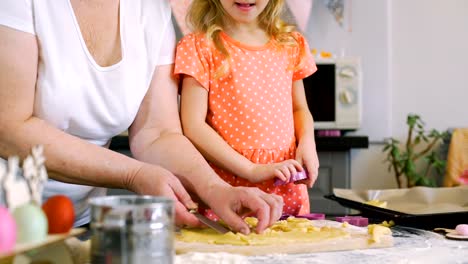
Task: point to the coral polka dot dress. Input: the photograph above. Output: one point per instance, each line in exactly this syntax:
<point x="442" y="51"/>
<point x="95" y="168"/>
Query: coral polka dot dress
<point x="251" y="106"/>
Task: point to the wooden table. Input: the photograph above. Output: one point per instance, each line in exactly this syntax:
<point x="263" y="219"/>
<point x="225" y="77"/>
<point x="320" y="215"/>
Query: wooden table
<point x="411" y="246"/>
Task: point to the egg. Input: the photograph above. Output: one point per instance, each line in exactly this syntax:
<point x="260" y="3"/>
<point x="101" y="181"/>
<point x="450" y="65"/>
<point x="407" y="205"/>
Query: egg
<point x="31" y="223"/>
<point x="7" y="231"/>
<point x="60" y="214"/>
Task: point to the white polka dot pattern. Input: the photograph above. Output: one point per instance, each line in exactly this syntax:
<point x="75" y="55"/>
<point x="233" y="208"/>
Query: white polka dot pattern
<point x="251" y="106"/>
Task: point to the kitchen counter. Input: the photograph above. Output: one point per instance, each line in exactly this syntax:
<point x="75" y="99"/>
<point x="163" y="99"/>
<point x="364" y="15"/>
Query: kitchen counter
<point x="411" y="246"/>
<point x="323" y="143"/>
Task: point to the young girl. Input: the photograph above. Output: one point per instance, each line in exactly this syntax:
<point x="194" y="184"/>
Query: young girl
<point x="242" y="101"/>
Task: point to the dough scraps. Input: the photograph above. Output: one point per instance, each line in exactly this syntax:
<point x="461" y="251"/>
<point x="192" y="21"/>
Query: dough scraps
<point x="377" y="203"/>
<point x="286" y="233"/>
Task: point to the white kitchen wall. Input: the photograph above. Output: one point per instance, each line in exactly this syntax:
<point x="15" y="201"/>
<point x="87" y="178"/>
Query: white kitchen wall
<point x="415" y="56"/>
<point x="430" y="65"/>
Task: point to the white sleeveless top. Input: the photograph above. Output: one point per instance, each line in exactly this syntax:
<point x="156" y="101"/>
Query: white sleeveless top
<point x="74" y="93"/>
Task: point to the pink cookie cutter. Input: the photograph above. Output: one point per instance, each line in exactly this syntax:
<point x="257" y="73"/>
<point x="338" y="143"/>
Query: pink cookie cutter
<point x="312" y="216"/>
<point x="301" y="175"/>
<point x="353" y="220"/>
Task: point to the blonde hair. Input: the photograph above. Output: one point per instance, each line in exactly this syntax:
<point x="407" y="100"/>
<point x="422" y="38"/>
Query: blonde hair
<point x="210" y="18"/>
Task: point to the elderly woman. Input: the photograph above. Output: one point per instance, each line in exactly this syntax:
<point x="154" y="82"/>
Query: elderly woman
<point x="75" y="73"/>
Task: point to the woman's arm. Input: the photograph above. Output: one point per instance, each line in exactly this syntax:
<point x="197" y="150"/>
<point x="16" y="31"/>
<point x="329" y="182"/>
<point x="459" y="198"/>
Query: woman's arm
<point x="194" y="106"/>
<point x="156" y="137"/>
<point x="306" y="152"/>
<point x="73" y="159"/>
<point x="68" y="158"/>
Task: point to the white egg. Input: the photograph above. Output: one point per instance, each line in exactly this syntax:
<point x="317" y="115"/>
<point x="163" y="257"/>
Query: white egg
<point x="31" y="223"/>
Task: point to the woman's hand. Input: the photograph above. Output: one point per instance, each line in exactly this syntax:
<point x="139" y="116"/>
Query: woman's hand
<point x="232" y="203"/>
<point x="306" y="154"/>
<point x="281" y="170"/>
<point x="155" y="180"/>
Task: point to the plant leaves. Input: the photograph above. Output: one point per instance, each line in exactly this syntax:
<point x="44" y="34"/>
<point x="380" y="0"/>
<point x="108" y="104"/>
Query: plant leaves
<point x="401" y="157"/>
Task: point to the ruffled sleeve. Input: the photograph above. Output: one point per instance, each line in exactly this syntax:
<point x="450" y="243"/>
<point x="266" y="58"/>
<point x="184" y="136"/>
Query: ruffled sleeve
<point x="304" y="61"/>
<point x="17" y="14"/>
<point x="193" y="59"/>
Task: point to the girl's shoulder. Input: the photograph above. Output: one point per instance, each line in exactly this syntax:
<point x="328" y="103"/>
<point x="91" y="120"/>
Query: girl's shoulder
<point x="195" y="39"/>
<point x="197" y="44"/>
<point x="298" y="37"/>
<point x="294" y="41"/>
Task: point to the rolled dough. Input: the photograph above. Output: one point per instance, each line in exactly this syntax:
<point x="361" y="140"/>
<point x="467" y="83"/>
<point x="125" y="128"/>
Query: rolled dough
<point x="294" y="235"/>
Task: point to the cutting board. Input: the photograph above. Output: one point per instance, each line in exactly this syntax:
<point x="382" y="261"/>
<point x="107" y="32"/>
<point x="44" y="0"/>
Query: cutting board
<point x="358" y="239"/>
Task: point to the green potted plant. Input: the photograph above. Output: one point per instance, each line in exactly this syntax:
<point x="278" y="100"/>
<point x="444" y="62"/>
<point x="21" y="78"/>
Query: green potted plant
<point x="403" y="159"/>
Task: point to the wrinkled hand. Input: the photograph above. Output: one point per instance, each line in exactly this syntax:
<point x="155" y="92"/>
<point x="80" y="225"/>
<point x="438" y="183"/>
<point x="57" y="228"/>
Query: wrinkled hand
<point x="155" y="180"/>
<point x="232" y="203"/>
<point x="306" y="154"/>
<point x="281" y="170"/>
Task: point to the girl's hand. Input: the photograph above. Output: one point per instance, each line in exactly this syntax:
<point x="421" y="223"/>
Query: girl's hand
<point x="306" y="154"/>
<point x="281" y="170"/>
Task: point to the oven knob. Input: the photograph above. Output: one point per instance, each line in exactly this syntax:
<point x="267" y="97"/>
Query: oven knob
<point x="347" y="72"/>
<point x="346" y="97"/>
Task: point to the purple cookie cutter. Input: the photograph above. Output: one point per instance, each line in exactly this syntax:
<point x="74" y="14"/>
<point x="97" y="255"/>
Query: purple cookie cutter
<point x="285" y="216"/>
<point x="301" y="175"/>
<point x="311" y="216"/>
<point x="353" y="220"/>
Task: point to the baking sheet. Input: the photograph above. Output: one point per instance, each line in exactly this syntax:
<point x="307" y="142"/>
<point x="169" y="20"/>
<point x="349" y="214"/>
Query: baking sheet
<point x="416" y="200"/>
<point x="420" y="207"/>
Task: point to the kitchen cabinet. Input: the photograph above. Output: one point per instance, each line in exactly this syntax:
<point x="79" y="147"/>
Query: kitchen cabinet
<point x="334" y="172"/>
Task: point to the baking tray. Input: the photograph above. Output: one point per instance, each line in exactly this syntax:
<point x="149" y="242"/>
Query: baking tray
<point x="422" y="221"/>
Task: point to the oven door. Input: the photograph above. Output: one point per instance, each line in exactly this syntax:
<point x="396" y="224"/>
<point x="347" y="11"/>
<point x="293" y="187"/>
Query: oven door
<point x="320" y="89"/>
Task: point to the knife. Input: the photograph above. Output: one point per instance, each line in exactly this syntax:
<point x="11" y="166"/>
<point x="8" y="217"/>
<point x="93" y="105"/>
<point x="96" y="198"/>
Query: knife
<point x="210" y="223"/>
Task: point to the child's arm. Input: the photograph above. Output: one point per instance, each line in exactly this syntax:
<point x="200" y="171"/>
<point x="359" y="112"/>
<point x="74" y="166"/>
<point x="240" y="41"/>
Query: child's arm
<point x="194" y="107"/>
<point x="306" y="153"/>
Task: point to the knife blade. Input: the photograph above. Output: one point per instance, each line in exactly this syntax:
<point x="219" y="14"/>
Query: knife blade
<point x="210" y="223"/>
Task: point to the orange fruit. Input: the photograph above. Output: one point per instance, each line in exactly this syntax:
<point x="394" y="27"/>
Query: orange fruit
<point x="60" y="214"/>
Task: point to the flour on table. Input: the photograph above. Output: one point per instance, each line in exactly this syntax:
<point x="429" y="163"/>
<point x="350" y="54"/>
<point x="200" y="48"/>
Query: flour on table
<point x="210" y="258"/>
